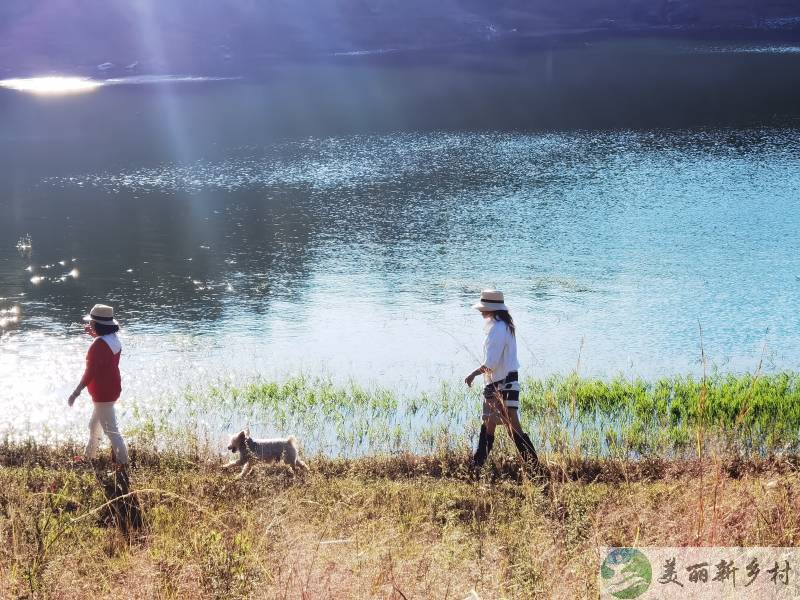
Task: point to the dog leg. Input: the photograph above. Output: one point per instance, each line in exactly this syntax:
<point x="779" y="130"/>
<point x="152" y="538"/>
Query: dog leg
<point x="299" y="464"/>
<point x="247" y="467"/>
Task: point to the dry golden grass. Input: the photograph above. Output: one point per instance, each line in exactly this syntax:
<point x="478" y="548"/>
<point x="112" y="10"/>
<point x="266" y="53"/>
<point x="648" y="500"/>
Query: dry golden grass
<point x="380" y="527"/>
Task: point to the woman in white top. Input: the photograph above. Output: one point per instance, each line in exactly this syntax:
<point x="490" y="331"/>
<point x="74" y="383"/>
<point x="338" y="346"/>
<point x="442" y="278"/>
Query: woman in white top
<point x="500" y="371"/>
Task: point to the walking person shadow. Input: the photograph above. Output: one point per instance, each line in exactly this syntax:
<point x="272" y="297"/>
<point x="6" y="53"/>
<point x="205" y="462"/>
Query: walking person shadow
<point x="122" y="509"/>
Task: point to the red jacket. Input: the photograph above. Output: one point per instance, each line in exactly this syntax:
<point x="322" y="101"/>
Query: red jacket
<point x="102" y="372"/>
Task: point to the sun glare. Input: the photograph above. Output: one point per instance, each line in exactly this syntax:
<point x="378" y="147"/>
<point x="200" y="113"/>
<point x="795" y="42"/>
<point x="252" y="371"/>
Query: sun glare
<point x="52" y="85"/>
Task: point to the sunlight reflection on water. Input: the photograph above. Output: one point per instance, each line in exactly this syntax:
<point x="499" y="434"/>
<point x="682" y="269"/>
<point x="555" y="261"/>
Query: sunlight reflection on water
<point x="55" y="85"/>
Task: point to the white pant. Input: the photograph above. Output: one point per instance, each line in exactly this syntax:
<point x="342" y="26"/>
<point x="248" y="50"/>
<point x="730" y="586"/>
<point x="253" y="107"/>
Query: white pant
<point x="104" y="420"/>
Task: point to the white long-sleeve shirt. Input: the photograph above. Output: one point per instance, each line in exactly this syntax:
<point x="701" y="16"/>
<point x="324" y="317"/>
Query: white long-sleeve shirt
<point x="499" y="351"/>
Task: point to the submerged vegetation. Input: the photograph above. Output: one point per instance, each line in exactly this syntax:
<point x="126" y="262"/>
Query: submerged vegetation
<point x="748" y="415"/>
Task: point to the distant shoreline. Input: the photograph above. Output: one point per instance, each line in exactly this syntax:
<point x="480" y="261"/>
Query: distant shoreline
<point x="493" y="47"/>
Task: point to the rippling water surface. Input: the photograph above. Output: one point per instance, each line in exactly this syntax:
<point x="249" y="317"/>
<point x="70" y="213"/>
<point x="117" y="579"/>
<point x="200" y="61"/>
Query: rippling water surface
<point x="358" y="254"/>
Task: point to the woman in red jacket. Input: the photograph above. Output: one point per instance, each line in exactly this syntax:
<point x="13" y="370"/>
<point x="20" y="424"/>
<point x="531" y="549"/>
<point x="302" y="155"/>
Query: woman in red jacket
<point x="103" y="380"/>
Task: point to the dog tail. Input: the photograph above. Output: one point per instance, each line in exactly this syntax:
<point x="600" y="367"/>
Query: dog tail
<point x="295" y="460"/>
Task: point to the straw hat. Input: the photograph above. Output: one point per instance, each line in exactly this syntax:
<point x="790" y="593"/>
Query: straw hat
<point x="491" y="300"/>
<point x="102" y="314"/>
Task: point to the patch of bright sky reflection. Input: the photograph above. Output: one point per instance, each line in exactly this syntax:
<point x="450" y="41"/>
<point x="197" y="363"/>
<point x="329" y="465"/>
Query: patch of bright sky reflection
<point x="9" y="316"/>
<point x="54" y="85"/>
<point x="57" y="85"/>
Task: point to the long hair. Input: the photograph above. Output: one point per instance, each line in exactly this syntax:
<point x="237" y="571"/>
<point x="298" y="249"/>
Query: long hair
<point x="103" y="329"/>
<point x="505" y="317"/>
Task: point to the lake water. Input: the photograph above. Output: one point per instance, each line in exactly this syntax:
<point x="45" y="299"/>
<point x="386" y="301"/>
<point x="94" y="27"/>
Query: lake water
<point x="340" y="219"/>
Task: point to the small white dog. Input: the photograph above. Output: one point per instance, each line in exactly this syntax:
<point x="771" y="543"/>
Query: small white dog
<point x="273" y="450"/>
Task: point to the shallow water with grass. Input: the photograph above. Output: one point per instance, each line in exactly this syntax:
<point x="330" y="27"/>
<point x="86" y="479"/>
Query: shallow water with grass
<point x="753" y="415"/>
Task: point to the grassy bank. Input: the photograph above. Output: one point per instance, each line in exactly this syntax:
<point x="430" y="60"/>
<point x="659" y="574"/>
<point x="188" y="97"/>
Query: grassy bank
<point x="400" y="526"/>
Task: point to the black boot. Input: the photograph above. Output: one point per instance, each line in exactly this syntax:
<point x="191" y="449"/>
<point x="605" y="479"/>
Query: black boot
<point x="526" y="449"/>
<point x="485" y="443"/>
